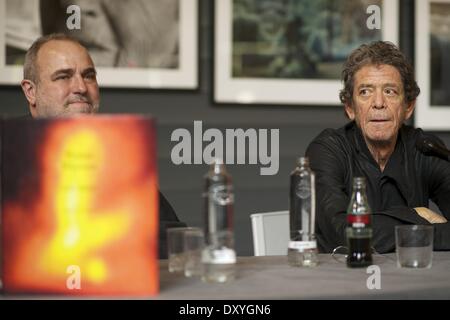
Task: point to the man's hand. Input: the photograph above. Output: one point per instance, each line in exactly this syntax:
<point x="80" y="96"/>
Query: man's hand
<point x="430" y="215"/>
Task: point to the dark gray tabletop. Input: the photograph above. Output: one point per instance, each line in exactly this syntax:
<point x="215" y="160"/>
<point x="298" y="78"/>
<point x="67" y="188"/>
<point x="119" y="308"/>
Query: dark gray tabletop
<point x="272" y="278"/>
<point x="261" y="278"/>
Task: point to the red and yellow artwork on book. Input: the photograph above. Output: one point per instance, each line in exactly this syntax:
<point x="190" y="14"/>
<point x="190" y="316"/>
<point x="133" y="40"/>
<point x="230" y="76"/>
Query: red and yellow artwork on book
<point x="80" y="206"/>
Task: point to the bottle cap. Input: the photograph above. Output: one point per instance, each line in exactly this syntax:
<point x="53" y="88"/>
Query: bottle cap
<point x="303" y="161"/>
<point x="217" y="166"/>
<point x="358" y="181"/>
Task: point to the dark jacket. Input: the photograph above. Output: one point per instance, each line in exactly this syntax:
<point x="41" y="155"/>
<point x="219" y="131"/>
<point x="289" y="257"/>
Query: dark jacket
<point x="409" y="180"/>
<point x="167" y="219"/>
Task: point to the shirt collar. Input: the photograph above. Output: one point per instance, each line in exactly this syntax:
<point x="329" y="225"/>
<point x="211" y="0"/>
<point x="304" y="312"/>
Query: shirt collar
<point x="393" y="166"/>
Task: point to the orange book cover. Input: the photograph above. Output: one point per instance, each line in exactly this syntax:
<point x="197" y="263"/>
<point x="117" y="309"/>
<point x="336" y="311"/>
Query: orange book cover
<point x="80" y="206"/>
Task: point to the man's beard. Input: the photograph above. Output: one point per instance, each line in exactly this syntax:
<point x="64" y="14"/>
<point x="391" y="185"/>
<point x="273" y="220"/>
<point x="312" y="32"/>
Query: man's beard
<point x="47" y="106"/>
<point x="70" y="110"/>
<point x="90" y="108"/>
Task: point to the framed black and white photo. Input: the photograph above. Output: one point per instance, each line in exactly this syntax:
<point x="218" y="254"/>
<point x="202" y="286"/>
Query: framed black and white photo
<point x="134" y="43"/>
<point x="292" y="51"/>
<point x="433" y="64"/>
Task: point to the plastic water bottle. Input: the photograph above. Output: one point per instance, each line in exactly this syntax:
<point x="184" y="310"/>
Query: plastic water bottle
<point x="302" y="248"/>
<point x="219" y="256"/>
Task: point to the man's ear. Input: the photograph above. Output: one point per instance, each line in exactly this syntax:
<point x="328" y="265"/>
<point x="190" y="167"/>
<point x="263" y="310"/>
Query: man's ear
<point x="410" y="109"/>
<point x="29" y="89"/>
<point x="349" y="111"/>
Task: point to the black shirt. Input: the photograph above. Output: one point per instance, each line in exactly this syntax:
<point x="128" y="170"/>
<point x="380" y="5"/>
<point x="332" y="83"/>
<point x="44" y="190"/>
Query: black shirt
<point x="408" y="181"/>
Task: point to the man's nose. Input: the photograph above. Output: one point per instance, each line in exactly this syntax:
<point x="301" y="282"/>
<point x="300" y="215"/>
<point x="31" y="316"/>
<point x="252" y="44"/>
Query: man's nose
<point x="78" y="85"/>
<point x="378" y="101"/>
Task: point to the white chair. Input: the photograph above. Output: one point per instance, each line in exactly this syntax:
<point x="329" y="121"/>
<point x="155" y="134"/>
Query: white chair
<point x="270" y="233"/>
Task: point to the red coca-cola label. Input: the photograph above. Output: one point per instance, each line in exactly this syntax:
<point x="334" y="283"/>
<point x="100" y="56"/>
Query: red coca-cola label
<point x="358" y="220"/>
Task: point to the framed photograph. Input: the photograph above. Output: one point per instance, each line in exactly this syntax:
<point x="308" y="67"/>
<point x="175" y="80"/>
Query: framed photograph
<point x="433" y="64"/>
<point x="134" y="43"/>
<point x="292" y="51"/>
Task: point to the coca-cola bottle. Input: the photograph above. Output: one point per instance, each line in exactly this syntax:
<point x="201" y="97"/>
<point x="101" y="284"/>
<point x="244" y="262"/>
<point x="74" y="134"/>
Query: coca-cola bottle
<point x="359" y="229"/>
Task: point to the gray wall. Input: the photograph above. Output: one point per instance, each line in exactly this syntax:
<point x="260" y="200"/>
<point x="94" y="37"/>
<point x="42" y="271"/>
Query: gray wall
<point x="182" y="184"/>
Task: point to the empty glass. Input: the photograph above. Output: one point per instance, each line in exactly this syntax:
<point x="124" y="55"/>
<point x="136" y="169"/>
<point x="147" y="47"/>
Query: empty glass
<point x="183" y="244"/>
<point x="194" y="242"/>
<point x="414" y="246"/>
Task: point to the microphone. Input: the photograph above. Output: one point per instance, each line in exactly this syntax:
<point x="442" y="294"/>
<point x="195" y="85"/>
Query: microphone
<point x="432" y="146"/>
